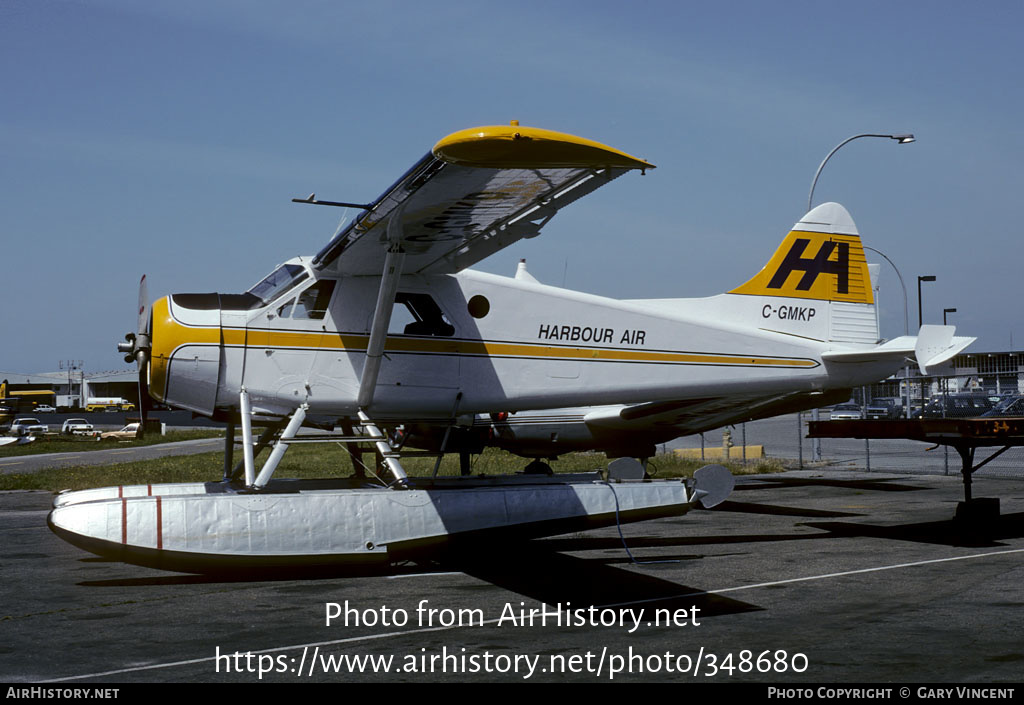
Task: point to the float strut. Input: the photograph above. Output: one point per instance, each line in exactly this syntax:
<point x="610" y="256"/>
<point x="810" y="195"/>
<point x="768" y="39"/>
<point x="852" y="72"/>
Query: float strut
<point x="389" y="456"/>
<point x="267" y="471"/>
<point x="264" y="440"/>
<point x="250" y="470"/>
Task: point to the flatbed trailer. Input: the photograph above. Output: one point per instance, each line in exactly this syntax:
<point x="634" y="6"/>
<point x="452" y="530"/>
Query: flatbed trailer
<point x="965" y="435"/>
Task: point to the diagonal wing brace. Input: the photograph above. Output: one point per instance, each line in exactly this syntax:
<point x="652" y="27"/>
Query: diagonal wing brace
<point x="382" y="312"/>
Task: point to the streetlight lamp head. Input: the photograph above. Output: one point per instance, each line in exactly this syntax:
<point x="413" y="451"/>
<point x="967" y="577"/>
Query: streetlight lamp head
<point x="900" y="139"/>
<point x="927" y="278"/>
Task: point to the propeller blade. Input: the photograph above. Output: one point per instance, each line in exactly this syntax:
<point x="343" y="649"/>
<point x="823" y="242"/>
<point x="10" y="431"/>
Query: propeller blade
<point x="143" y="321"/>
<point x="140" y="351"/>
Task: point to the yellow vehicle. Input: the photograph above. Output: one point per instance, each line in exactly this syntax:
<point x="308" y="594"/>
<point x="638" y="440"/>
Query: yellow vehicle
<point x="108" y="404"/>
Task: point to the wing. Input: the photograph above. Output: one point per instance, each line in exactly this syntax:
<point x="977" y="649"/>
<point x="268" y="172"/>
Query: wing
<point x="477" y="191"/>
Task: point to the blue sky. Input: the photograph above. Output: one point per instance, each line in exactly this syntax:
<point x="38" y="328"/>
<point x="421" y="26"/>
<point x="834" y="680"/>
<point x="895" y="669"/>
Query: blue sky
<point x="167" y="138"/>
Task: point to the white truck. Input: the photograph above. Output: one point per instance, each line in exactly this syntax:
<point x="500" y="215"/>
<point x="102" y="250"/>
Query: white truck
<point x="66" y="402"/>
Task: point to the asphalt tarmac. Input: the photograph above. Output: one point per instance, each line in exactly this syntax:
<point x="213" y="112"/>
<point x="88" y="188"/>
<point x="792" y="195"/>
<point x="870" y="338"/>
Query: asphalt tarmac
<point x="801" y="577"/>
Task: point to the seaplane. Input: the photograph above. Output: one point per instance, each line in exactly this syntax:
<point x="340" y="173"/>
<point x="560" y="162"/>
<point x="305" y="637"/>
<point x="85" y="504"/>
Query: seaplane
<point x="387" y="328"/>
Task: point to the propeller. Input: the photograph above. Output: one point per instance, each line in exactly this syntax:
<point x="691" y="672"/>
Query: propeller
<point x="137" y="347"/>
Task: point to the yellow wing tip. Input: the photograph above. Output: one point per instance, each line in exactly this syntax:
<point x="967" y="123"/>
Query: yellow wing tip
<point x="516" y="147"/>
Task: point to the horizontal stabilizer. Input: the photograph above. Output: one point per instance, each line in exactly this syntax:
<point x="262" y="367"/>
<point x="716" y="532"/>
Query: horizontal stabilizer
<point x="934" y="346"/>
<point x="893" y="350"/>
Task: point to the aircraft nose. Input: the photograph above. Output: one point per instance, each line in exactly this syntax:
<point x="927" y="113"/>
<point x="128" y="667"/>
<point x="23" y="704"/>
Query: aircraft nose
<point x="160" y="324"/>
<point x="186" y="349"/>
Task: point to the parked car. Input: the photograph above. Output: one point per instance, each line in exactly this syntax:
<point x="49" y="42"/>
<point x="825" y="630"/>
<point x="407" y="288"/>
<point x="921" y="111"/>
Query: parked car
<point x="79" y="427"/>
<point x="883" y="408"/>
<point x="45" y="409"/>
<point x="27" y="426"/>
<point x="841" y="412"/>
<point x="1011" y="406"/>
<point x="125" y="434"/>
<point x="956" y="406"/>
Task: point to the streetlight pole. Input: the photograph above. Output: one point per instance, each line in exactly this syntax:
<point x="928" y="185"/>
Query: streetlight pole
<point x="945" y="390"/>
<point x="920" y="322"/>
<point x="72" y="366"/>
<point x="903" y="286"/>
<point x="920" y="316"/>
<point x="906" y="331"/>
<point x="900" y="139"/>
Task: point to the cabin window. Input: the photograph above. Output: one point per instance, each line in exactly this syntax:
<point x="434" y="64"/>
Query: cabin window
<point x="419" y="314"/>
<point x="478" y="306"/>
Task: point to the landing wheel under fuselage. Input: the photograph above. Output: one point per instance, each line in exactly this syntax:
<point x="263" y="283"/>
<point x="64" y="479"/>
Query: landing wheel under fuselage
<point x="538" y="467"/>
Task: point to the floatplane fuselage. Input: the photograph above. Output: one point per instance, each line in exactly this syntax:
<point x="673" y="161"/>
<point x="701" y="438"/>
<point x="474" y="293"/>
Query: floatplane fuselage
<point x="528" y="346"/>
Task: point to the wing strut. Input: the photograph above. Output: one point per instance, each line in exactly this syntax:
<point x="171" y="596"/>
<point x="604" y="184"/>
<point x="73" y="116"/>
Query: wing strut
<point x="382" y="313"/>
<point x="378" y="338"/>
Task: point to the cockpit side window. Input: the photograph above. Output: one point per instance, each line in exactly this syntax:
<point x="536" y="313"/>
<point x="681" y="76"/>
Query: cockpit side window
<point x="278" y="282"/>
<point x="311" y="304"/>
<point x="285" y="310"/>
<point x="419" y="314"/>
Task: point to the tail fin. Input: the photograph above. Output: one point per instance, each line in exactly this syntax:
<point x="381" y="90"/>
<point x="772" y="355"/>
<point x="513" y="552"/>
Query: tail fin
<point x="821" y="259"/>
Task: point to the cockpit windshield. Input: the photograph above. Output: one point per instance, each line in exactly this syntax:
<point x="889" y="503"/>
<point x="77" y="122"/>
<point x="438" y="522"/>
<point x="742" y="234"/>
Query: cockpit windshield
<point x="278" y="282"/>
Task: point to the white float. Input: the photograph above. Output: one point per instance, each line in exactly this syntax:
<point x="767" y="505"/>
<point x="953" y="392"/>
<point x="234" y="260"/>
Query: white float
<point x="212" y="527"/>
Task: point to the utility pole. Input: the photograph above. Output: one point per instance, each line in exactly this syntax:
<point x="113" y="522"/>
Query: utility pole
<point x="73" y="366"/>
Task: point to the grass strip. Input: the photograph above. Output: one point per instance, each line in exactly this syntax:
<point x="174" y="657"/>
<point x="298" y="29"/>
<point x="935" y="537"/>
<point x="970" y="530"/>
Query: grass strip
<point x="329" y="460"/>
<point x="57" y="443"/>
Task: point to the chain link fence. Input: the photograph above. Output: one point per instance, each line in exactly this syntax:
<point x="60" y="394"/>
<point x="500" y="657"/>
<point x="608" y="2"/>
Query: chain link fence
<point x="785" y="437"/>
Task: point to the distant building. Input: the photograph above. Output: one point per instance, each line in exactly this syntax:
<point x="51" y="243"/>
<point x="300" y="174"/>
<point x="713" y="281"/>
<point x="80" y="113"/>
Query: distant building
<point x="991" y="372"/>
<point x="68" y="390"/>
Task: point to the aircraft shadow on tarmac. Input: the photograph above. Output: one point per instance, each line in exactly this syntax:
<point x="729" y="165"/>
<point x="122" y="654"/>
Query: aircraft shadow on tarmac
<point x="241" y="575"/>
<point x="951" y="532"/>
<point x="881" y="484"/>
<point x="777" y="510"/>
<point x="530" y="568"/>
<point x="537" y="571"/>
